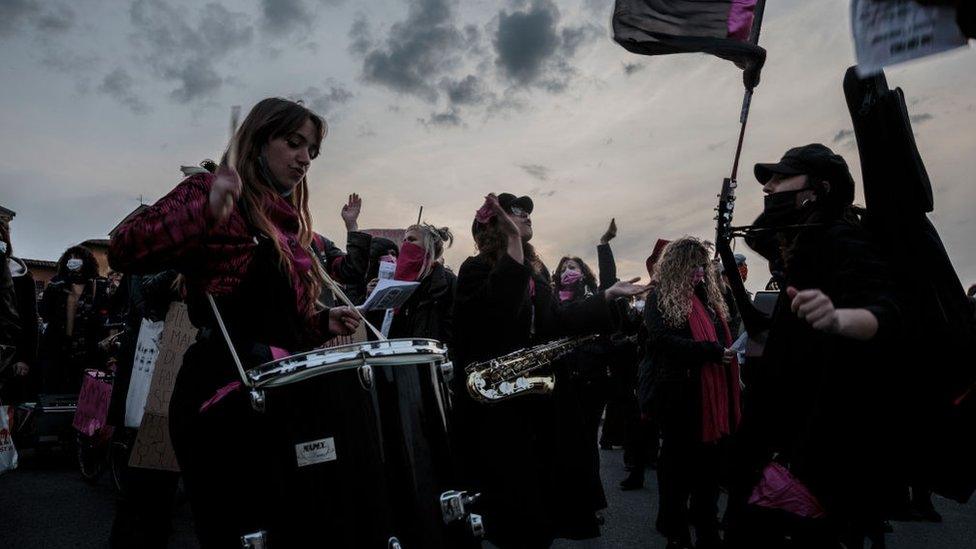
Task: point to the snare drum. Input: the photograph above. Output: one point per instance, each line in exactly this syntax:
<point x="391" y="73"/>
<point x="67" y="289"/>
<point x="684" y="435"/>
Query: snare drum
<point x="360" y="443"/>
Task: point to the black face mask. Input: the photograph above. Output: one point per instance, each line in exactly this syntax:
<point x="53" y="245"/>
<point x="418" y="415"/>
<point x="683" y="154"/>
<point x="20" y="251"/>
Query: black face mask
<point x="779" y="210"/>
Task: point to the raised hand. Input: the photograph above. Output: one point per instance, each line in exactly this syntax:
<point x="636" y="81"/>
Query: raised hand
<point x="611" y="232"/>
<point x="505" y="222"/>
<point x="224" y="192"/>
<point x="350" y="212"/>
<point x="626" y="288"/>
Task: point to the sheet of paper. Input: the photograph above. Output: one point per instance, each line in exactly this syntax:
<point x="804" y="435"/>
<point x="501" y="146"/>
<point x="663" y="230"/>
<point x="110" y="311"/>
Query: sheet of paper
<point x="389" y="294"/>
<point x="892" y="31"/>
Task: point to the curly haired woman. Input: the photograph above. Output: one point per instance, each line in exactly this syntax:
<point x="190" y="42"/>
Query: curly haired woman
<point x="698" y="389"/>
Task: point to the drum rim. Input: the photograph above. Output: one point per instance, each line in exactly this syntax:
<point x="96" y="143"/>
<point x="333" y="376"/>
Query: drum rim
<point x="264" y="375"/>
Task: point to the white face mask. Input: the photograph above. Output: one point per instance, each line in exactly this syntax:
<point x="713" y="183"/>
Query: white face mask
<point x="3" y="247"/>
<point x="74" y="264"/>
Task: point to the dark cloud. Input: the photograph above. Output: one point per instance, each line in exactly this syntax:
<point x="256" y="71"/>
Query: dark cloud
<point x="286" y="16"/>
<point x="470" y="90"/>
<point x="531" y="49"/>
<point x="59" y="19"/>
<point x="325" y="101"/>
<point x="526" y="40"/>
<point x="417" y="52"/>
<point x="631" y="68"/>
<point x="14" y="13"/>
<point x="920" y="118"/>
<point x="360" y="37"/>
<point x="450" y="118"/>
<point x="537" y="171"/>
<point x="187" y="54"/>
<point x="365" y="131"/>
<point x="118" y="84"/>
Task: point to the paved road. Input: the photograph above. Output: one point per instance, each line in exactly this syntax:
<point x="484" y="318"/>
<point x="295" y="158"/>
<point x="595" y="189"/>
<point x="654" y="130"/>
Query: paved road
<point x="46" y="505"/>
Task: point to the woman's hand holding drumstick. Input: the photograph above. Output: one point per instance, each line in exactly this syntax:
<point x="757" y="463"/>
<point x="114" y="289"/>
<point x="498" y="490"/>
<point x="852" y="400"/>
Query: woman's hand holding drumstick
<point x="224" y="192"/>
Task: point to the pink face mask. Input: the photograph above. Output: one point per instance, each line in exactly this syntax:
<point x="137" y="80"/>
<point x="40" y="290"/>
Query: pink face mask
<point x="570" y="277"/>
<point x="697" y="276"/>
<point x="410" y="262"/>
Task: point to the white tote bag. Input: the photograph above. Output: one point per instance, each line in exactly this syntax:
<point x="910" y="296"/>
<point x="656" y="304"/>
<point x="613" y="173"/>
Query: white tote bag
<point x="143" y="365"/>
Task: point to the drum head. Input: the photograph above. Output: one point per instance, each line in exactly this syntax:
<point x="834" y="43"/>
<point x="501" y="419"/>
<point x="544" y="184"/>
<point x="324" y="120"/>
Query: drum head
<point x="291" y="369"/>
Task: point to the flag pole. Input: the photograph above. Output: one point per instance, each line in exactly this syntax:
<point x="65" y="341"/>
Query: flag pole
<point x="750" y="78"/>
<point x="751" y="317"/>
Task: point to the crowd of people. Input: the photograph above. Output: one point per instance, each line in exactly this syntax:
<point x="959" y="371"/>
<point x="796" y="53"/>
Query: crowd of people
<point x="802" y="434"/>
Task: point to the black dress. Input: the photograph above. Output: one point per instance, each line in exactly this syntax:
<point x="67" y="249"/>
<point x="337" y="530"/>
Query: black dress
<point x="509" y="451"/>
<point x="225" y="467"/>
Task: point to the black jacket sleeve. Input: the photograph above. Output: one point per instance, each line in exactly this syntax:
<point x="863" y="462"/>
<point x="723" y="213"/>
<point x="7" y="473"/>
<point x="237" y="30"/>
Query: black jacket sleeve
<point x="861" y="276"/>
<point x="675" y="341"/>
<point x="9" y="321"/>
<point x="347" y="267"/>
<point x="608" y="267"/>
<point x="27" y="311"/>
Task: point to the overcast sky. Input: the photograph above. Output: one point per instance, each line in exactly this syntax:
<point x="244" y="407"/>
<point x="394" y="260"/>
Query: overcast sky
<point x="436" y="103"/>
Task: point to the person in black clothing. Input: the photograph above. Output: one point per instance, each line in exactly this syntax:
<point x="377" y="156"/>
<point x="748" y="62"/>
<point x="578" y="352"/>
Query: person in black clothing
<point x="243" y="238"/>
<point x="508" y="450"/>
<point x="817" y="400"/>
<point x="75" y="307"/>
<point x="698" y="390"/>
<point x="144" y="508"/>
<point x="643" y="436"/>
<point x="21" y="381"/>
<point x="429" y="310"/>
<point x="347" y="267"/>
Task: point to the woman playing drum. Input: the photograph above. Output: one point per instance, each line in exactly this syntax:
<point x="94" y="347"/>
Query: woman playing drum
<point x="242" y="235"/>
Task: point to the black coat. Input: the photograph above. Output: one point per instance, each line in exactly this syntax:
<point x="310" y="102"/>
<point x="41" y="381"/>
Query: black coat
<point x="65" y="356"/>
<point x="25" y="388"/>
<point x="821" y="401"/>
<point x="676" y="359"/>
<point x="509" y="450"/>
<point x="430" y="310"/>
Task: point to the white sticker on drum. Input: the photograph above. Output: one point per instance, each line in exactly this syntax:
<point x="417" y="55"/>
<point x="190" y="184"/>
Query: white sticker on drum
<point x="315" y="451"/>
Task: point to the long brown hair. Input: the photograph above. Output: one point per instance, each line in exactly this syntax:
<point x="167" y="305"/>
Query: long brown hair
<point x="270" y="119"/>
<point x="672" y="273"/>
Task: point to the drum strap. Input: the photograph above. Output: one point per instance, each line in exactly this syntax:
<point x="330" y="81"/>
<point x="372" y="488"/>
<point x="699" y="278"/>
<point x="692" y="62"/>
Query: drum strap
<point x="230" y="345"/>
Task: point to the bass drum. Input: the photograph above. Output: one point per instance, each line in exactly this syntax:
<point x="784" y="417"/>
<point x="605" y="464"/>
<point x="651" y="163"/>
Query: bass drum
<point x="359" y="440"/>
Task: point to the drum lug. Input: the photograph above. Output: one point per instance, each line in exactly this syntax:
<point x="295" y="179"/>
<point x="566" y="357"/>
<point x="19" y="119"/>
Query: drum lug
<point x="394" y="543"/>
<point x="447" y="370"/>
<point x="257" y="400"/>
<point x="366" y="376"/>
<point x="454" y="505"/>
<point x="255" y="540"/>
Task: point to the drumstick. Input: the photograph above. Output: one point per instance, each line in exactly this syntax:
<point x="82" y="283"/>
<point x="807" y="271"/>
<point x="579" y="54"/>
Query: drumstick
<point x="235" y="116"/>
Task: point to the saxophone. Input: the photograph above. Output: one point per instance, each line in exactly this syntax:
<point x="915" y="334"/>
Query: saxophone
<point x="507" y="376"/>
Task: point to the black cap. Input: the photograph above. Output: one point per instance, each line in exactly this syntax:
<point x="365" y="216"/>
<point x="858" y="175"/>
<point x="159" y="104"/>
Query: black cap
<point x="507" y="200"/>
<point x="816" y="160"/>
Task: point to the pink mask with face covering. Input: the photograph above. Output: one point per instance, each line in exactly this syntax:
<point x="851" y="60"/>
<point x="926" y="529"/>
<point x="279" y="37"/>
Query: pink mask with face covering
<point x="410" y="262"/>
<point x="567" y="280"/>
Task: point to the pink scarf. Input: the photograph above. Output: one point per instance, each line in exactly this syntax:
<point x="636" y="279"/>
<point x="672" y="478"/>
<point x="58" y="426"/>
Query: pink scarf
<point x="718" y="381"/>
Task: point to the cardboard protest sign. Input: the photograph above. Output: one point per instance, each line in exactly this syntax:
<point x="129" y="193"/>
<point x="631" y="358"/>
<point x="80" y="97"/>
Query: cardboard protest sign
<point x="892" y="31"/>
<point x="153" y="449"/>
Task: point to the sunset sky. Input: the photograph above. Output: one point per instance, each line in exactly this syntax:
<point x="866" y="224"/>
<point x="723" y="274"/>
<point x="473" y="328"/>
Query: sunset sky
<point x="437" y="103"/>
